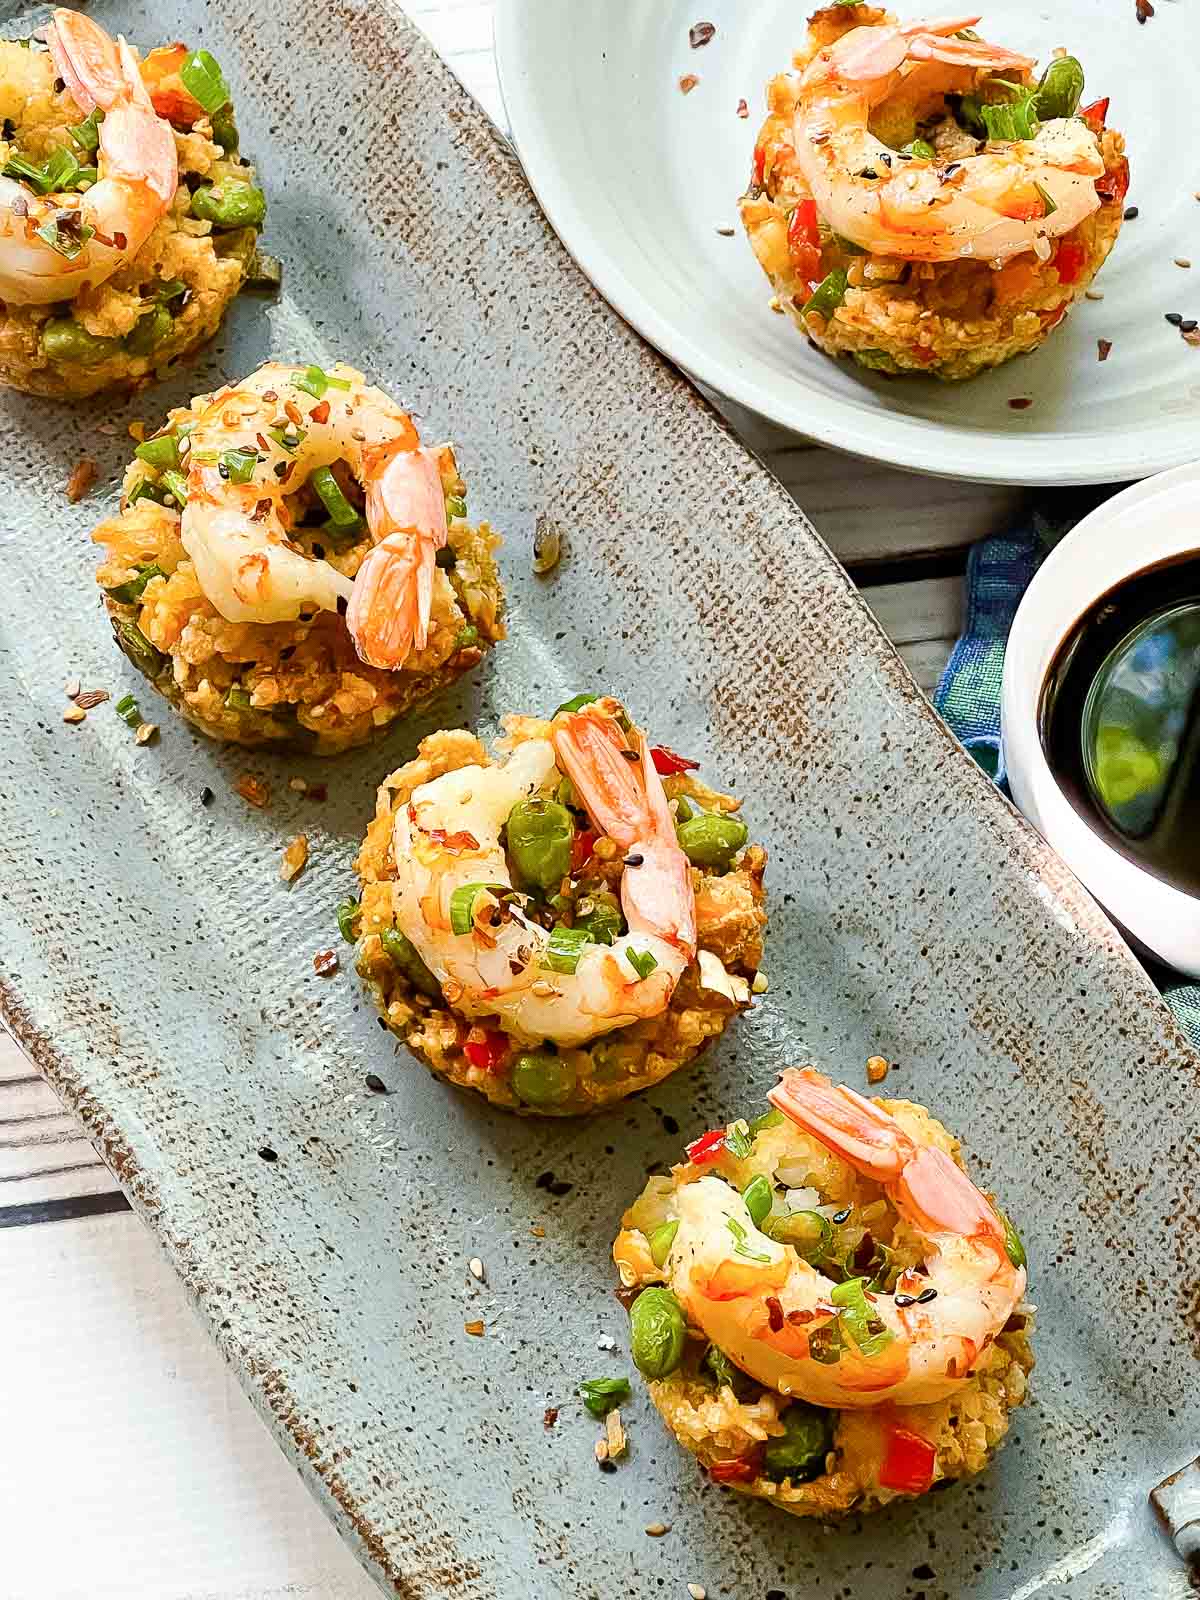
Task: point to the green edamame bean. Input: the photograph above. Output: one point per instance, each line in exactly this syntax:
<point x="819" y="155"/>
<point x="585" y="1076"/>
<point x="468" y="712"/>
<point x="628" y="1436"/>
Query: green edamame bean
<point x="757" y="1195"/>
<point x="539" y="841"/>
<point x="543" y="1080"/>
<point x="1060" y="89"/>
<point x="708" y="840"/>
<point x="151" y="330"/>
<point x="799" y="1451"/>
<point x="65" y="340"/>
<point x="657" y="1331"/>
<point x="660" y="1241"/>
<point x="230" y="204"/>
<point x="404" y="956"/>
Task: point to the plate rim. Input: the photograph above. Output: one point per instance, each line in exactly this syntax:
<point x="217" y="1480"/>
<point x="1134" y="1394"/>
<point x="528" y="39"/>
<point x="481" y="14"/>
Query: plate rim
<point x="907" y="443"/>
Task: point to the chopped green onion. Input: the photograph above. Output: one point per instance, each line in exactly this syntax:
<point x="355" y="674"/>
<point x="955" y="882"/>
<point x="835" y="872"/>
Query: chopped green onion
<point x="875" y="360"/>
<point x="456" y="506"/>
<point x="1047" y="199"/>
<point x="740" y="1247"/>
<point x="204" y="81"/>
<point x="602" y="1395"/>
<point x="176" y="484"/>
<point x="757" y="1196"/>
<point x="920" y="148"/>
<point x="466" y="637"/>
<point x="1012" y="1241"/>
<point x="237" y="698"/>
<point x="289" y="439"/>
<point x="829" y="293"/>
<point x="1013" y="119"/>
<point x="869" y="1333"/>
<point x="57" y="174"/>
<point x="147" y="489"/>
<point x="737" y="1139"/>
<point x="564" y="948"/>
<point x="769" y="1119"/>
<point x="642" y="962"/>
<point x="86" y="134"/>
<point x="660" y="1241"/>
<point x="68" y="241"/>
<point x="575" y="704"/>
<point x="204" y="458"/>
<point x="160" y="452"/>
<point x="315" y="382"/>
<point x="128" y="711"/>
<point x="462" y="903"/>
<point x="238" y="465"/>
<point x="131" y="591"/>
<point x="137" y="647"/>
<point x="341" y="513"/>
<point x="348" y="912"/>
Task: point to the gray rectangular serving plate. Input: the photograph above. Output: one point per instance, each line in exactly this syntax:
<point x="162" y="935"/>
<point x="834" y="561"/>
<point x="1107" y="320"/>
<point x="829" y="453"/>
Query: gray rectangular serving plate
<point x="161" y="974"/>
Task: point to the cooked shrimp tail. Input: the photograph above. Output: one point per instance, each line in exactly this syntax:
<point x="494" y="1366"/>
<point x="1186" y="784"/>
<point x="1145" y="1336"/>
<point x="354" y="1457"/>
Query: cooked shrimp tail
<point x="393" y="592"/>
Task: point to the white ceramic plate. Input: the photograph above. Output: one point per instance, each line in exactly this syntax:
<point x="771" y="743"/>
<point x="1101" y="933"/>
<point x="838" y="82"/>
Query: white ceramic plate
<point x="637" y="178"/>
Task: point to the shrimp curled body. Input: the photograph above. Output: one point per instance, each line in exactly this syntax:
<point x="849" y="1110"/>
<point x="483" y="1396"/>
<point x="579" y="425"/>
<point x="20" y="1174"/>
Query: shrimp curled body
<point x="449" y="835"/>
<point x="1005" y="200"/>
<point x="236" y="525"/>
<point x="52" y="247"/>
<point x="773" y="1313"/>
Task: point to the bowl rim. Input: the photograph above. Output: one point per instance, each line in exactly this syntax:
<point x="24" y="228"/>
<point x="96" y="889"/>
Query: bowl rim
<point x="1098" y="554"/>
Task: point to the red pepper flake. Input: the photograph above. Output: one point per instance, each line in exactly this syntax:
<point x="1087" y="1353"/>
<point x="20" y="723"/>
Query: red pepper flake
<point x="325" y="962"/>
<point x="743" y="110"/>
<point x="804" y="242"/>
<point x="81" y="480"/>
<point x="549" y="1416"/>
<point x="742" y="1469"/>
<point x="908" y="1462"/>
<point x="1021" y="403"/>
<point x="1103" y="346"/>
<point x="320" y="412"/>
<point x="1143" y="10"/>
<point x="688" y="82"/>
<point x="487" y="1049"/>
<point x="455" y="843"/>
<point x="700" y="33"/>
<point x="667" y="763"/>
<point x="254" y="790"/>
<point x="706" y="1148"/>
<point x="774" y="1313"/>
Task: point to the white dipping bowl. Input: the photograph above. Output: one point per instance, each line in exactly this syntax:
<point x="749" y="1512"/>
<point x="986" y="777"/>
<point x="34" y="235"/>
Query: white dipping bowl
<point x="1154" y="521"/>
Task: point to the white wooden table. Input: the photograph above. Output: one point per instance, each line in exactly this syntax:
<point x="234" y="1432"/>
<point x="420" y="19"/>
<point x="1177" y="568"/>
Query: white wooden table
<point x="133" y="1468"/>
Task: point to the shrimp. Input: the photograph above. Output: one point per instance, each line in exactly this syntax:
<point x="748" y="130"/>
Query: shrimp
<point x="789" y="1327"/>
<point x="236" y="524"/>
<point x="448" y="839"/>
<point x="1004" y="201"/>
<point x="53" y="247"/>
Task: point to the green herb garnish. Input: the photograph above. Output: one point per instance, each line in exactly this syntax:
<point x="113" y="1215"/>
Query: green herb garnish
<point x="642" y="962"/>
<point x="740" y="1247"/>
<point x="602" y="1395"/>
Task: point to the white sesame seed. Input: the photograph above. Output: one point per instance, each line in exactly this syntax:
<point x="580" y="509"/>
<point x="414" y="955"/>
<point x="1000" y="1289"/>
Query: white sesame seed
<point x="74" y="714"/>
<point x="1093" y="294"/>
<point x="1182" y="261"/>
<point x="657" y="1529"/>
<point x="601" y="1449"/>
<point x="760" y="985"/>
<point x="475" y="1266"/>
<point x="697" y="1591"/>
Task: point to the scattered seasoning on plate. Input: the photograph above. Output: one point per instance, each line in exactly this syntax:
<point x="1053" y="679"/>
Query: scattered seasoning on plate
<point x="726" y="233"/>
<point x="552" y="1185"/>
<point x="700" y="33"/>
<point x="475" y="1268"/>
<point x="697" y="1591"/>
<point x="254" y="790"/>
<point x="760" y="984"/>
<point x="1188" y="325"/>
<point x="1129" y="213"/>
<point x="144" y="732"/>
<point x="294" y="858"/>
<point x="657" y="1529"/>
<point x="549" y="1416"/>
<point x="325" y="962"/>
<point x="72" y="688"/>
<point x="1103" y="346"/>
<point x="536" y="1229"/>
<point x="547" y="546"/>
<point x="87" y="698"/>
<point x="475" y="1329"/>
<point x="1143" y="9"/>
<point x="688" y="82"/>
<point x="877" y="1069"/>
<point x="1173" y="317"/>
<point x="74" y="713"/>
<point x="1093" y="294"/>
<point x="743" y="111"/>
<point x="615" y="1434"/>
<point x="81" y="480"/>
<point x="267" y="1154"/>
<point x="601" y="1449"/>
<point x="1021" y="403"/>
<point x="206" y="796"/>
<point x="1182" y="261"/>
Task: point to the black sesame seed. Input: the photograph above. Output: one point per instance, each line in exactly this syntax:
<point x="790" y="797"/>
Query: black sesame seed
<point x="1175" y="318"/>
<point x="926" y="1296"/>
<point x="633" y="861"/>
<point x="1188" y="325"/>
<point x="607" y="1466"/>
<point x="206" y="796"/>
<point x="903" y="1300"/>
<point x="268" y="1154"/>
<point x="841" y="1216"/>
<point x="1130" y="212"/>
<point x="375" y="1083"/>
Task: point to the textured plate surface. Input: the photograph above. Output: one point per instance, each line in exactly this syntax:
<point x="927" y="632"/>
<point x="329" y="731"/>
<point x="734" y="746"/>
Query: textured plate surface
<point x="161" y="973"/>
<point x="637" y="178"/>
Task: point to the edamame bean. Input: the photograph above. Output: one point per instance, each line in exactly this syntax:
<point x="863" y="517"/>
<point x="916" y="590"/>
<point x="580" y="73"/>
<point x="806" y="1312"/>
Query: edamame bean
<point x="230" y="204"/>
<point x="708" y="840"/>
<point x="539" y="842"/>
<point x="799" y="1451"/>
<point x="757" y="1195"/>
<point x="657" y="1331"/>
<point x="540" y="1079"/>
<point x="660" y="1241"/>
<point x="404" y="956"/>
<point x="151" y="330"/>
<point x="65" y="340"/>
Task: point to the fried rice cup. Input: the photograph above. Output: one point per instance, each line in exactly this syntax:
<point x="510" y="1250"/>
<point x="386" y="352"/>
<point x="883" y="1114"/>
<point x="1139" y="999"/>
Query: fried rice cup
<point x="945" y="319"/>
<point x="295" y="684"/>
<point x="169" y="298"/>
<point x="813" y="1461"/>
<point x="532" y="1076"/>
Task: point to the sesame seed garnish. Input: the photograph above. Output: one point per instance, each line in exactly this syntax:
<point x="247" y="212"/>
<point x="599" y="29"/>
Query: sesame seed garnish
<point x="549" y="1416"/>
<point x="475" y="1268"/>
<point x="1182" y="261"/>
<point x="81" y="480"/>
<point x="144" y="732"/>
<point x="294" y="858"/>
<point x="74" y="714"/>
<point x="697" y="1591"/>
<point x="743" y="110"/>
<point x="89" y="698"/>
<point x="700" y="33"/>
<point x="1188" y="325"/>
<point x="688" y="82"/>
<point x="877" y="1069"/>
<point x="1103" y="346"/>
<point x="1093" y="294"/>
<point x="657" y="1529"/>
<point x="1173" y="317"/>
<point x="1020" y="403"/>
<point x="1143" y="9"/>
<point x="1129" y="213"/>
<point x="375" y="1083"/>
<point x="475" y="1329"/>
<point x="72" y="688"/>
<point x="760" y="984"/>
<point x="725" y="233"/>
<point x="325" y="962"/>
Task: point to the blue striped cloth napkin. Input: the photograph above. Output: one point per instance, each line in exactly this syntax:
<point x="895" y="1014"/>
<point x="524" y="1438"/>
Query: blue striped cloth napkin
<point x="999" y="571"/>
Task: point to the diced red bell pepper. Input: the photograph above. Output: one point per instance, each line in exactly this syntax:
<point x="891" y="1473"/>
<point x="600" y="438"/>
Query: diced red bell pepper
<point x="760" y="164"/>
<point x="1114" y="184"/>
<point x="804" y="241"/>
<point x="706" y="1148"/>
<point x="489" y="1053"/>
<point x="1068" y="263"/>
<point x="1096" y="115"/>
<point x="742" y="1469"/>
<point x="908" y="1461"/>
<point x="582" y="846"/>
<point x="667" y="763"/>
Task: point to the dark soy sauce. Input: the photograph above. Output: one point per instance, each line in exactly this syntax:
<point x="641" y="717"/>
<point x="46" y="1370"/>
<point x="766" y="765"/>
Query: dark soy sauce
<point x="1120" y="720"/>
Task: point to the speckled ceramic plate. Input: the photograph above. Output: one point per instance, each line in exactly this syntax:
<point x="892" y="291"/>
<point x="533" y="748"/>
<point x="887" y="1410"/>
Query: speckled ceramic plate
<point x="161" y="973"/>
<point x="637" y="178"/>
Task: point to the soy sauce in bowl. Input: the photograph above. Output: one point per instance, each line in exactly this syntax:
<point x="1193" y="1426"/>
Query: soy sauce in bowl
<point x="1119" y="720"/>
